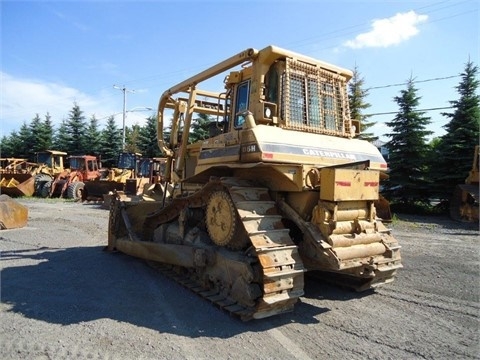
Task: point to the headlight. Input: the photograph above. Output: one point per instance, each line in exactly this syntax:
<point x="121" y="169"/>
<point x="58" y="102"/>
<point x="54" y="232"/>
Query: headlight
<point x="268" y="113"/>
<point x="269" y="110"/>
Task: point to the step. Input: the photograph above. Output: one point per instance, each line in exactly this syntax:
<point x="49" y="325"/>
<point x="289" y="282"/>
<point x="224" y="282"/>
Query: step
<point x="263" y="223"/>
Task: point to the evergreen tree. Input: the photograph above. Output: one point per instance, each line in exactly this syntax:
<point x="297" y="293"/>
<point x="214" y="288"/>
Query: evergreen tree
<point x="408" y="150"/>
<point x="167" y="132"/>
<point x="42" y="130"/>
<point x="148" y="143"/>
<point x="356" y="98"/>
<point x="4" y="147"/>
<point x="76" y="127"/>
<point x="111" y="143"/>
<point x="94" y="137"/>
<point x="47" y="132"/>
<point x="455" y="150"/>
<point x="200" y="128"/>
<point x="61" y="138"/>
<point x="35" y="128"/>
<point x="25" y="140"/>
<point x="132" y="139"/>
<point x="8" y="145"/>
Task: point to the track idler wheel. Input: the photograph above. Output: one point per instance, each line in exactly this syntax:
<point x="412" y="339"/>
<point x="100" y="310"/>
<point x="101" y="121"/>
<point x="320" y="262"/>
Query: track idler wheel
<point x="223" y="223"/>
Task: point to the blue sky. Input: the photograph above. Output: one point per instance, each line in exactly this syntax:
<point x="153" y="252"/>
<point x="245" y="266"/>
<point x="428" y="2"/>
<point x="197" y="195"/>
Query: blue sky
<point x="56" y="53"/>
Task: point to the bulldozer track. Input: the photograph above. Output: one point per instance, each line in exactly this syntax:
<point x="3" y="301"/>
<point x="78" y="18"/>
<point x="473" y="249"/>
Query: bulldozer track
<point x="282" y="269"/>
<point x="213" y="296"/>
<point x="281" y="265"/>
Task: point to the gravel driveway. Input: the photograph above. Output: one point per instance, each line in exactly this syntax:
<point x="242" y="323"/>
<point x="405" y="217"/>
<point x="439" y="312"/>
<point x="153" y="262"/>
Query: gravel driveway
<point x="62" y="297"/>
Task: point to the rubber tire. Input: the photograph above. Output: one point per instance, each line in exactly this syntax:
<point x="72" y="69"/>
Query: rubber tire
<point x="40" y="181"/>
<point x="75" y="190"/>
<point x="45" y="191"/>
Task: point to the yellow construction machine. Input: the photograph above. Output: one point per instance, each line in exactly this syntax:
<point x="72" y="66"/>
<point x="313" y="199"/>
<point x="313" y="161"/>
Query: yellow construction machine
<point x="132" y="174"/>
<point x="18" y="177"/>
<point x="279" y="187"/>
<point x="464" y="203"/>
<point x="50" y="163"/>
<point x="70" y="183"/>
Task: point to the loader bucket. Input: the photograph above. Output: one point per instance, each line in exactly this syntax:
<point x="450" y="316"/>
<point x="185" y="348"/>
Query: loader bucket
<point x="98" y="188"/>
<point x="12" y="214"/>
<point x="16" y="185"/>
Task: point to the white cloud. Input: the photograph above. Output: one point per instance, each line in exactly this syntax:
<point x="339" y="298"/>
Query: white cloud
<point x="388" y="32"/>
<point x="21" y="99"/>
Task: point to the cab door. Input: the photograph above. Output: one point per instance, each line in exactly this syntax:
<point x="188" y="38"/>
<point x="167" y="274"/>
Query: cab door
<point x="242" y="99"/>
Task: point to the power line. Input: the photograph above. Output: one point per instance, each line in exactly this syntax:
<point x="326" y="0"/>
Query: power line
<point x="329" y="35"/>
<point x="365" y="26"/>
<point x="414" y="82"/>
<point x="419" y="110"/>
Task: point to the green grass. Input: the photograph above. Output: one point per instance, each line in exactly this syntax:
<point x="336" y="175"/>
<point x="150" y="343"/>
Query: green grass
<point x="46" y="200"/>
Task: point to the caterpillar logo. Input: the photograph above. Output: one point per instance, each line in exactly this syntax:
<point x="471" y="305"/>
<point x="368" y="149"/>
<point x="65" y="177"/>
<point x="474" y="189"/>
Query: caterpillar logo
<point x="330" y="154"/>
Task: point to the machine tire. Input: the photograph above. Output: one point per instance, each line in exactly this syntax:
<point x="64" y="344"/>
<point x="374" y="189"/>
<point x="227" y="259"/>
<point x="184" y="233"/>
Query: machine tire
<point x="75" y="190"/>
<point x="45" y="191"/>
<point x="40" y="181"/>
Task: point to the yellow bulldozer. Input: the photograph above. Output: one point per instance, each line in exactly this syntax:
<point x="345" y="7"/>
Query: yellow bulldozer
<point x="464" y="203"/>
<point x="280" y="186"/>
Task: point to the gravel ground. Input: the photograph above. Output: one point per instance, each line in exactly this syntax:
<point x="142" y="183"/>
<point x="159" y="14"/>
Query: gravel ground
<point x="62" y="297"/>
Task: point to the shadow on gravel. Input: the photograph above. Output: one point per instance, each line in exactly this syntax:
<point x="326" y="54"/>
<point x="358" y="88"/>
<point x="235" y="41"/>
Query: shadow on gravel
<point x="98" y="205"/>
<point x="74" y="285"/>
<point x="316" y="288"/>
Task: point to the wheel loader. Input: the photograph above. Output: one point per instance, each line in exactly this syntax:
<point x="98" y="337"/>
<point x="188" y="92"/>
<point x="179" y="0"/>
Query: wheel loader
<point x="464" y="203"/>
<point x="18" y="177"/>
<point x="50" y="163"/>
<point x="280" y="186"/>
<point x="71" y="182"/>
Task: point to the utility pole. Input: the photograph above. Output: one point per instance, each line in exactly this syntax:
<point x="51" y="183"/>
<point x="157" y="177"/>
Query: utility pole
<point x="124" y="89"/>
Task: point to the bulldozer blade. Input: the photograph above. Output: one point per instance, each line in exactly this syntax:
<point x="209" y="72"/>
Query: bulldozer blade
<point x="12" y="213"/>
<point x="16" y="185"/>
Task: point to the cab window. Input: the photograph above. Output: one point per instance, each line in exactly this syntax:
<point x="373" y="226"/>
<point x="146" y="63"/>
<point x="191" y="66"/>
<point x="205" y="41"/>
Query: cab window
<point x="241" y="102"/>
